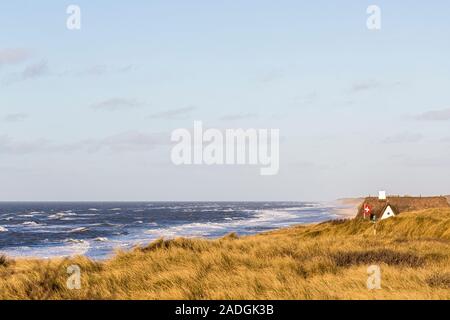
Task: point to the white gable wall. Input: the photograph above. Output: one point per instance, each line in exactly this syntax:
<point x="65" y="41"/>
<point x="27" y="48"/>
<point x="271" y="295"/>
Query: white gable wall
<point x="388" y="213"/>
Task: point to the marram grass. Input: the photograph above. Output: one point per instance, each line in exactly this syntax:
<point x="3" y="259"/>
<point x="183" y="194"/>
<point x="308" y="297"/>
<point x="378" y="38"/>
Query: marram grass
<point x="322" y="261"/>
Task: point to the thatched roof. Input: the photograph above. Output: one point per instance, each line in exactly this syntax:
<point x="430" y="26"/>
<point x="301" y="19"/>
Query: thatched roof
<point x="401" y="204"/>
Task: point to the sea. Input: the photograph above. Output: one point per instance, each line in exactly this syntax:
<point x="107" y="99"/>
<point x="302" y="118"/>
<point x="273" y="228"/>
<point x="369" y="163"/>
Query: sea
<point x="97" y="229"/>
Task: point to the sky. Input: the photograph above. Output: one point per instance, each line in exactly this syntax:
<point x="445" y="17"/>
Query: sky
<point x="87" y="115"/>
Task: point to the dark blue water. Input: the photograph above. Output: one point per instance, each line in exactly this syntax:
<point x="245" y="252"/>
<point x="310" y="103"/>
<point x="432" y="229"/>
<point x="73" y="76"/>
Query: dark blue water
<point x="95" y="229"/>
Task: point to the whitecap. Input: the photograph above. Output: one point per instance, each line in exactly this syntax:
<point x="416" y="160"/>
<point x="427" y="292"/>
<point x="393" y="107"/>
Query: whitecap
<point x="68" y="219"/>
<point x="58" y="215"/>
<point x="101" y="239"/>
<point x="109" y="224"/>
<point x="69" y="248"/>
<point x="3" y="229"/>
<point x="81" y="229"/>
<point x="75" y="241"/>
<point x="264" y="219"/>
<point x="31" y="224"/>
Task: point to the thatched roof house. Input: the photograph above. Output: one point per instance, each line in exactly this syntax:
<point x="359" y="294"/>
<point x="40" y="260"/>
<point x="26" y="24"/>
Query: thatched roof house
<point x="394" y="205"/>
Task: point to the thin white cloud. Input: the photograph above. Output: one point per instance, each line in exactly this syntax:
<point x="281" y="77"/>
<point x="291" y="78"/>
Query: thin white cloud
<point x="126" y="141"/>
<point x="115" y="104"/>
<point x="307" y="99"/>
<point x="15" y="117"/>
<point x="308" y="165"/>
<point x="272" y="75"/>
<point x="240" y="116"/>
<point x="424" y="161"/>
<point x="434" y="115"/>
<point x="102" y="70"/>
<point x="35" y="70"/>
<point x="9" y="145"/>
<point x="131" y="141"/>
<point x="365" y="86"/>
<point x="14" y="56"/>
<point x="32" y="71"/>
<point x="404" y="137"/>
<point x="180" y="113"/>
<point x="370" y="85"/>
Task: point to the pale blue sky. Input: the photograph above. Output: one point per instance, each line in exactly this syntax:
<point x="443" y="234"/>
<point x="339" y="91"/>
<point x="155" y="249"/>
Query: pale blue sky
<point x="87" y="115"/>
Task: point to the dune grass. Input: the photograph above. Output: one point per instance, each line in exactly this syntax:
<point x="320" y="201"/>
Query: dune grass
<point x="323" y="261"/>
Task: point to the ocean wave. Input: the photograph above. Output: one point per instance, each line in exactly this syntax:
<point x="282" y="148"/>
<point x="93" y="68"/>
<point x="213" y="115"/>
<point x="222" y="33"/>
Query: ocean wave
<point x="262" y="219"/>
<point x="297" y="208"/>
<point x="78" y="230"/>
<point x="69" y="248"/>
<point x="70" y="240"/>
<point x="116" y="230"/>
<point x="58" y="215"/>
<point x="69" y="219"/>
<point x="32" y="224"/>
<point x="109" y="224"/>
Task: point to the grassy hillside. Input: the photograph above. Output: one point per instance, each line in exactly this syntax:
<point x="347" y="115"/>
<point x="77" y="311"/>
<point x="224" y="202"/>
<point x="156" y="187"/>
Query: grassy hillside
<point x="324" y="261"/>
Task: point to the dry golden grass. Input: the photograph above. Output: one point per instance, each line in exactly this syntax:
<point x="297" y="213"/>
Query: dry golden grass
<point x="323" y="261"/>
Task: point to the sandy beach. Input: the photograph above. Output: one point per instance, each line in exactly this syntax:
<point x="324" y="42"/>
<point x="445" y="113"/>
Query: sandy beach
<point x="347" y="208"/>
<point x="298" y="262"/>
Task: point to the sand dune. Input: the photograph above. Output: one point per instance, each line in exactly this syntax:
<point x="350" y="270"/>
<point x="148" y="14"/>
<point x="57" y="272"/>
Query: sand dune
<point x="324" y="261"/>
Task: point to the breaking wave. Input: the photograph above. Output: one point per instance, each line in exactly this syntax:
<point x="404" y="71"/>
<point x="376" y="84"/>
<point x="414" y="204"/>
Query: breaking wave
<point x="58" y="230"/>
